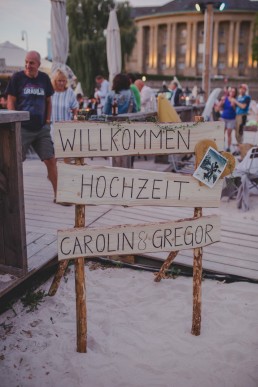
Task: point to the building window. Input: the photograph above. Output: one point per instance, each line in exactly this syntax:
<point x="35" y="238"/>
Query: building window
<point x="182" y="49"/>
<point x="201" y="32"/>
<point x="181" y="66"/>
<point x="241" y="65"/>
<point x="200" y="66"/>
<point x="221" y="65"/>
<point x="200" y="48"/>
<point x="222" y="48"/>
<point x="241" y="48"/>
<point x="183" y="33"/>
<point x="221" y="31"/>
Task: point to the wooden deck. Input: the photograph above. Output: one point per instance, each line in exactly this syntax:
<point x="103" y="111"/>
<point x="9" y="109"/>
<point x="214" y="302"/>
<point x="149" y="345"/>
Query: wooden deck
<point x="236" y="253"/>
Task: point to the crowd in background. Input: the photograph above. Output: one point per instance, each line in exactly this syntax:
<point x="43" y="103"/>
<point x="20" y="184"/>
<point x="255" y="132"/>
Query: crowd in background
<point x="57" y="101"/>
<point x="232" y="108"/>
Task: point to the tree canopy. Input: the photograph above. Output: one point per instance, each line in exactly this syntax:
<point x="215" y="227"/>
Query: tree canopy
<point x="87" y="24"/>
<point x="255" y="40"/>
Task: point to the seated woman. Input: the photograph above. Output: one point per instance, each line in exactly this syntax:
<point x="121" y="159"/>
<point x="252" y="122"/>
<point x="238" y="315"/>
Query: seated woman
<point x="121" y="95"/>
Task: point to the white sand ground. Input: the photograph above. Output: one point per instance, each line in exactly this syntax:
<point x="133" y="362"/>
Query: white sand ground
<point x="139" y="335"/>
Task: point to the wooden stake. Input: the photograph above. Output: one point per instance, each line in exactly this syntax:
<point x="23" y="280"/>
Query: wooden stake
<point x="197" y="284"/>
<point x="81" y="311"/>
<point x="62" y="265"/>
<point x="57" y="278"/>
<point x="161" y="274"/>
<point x="197" y="274"/>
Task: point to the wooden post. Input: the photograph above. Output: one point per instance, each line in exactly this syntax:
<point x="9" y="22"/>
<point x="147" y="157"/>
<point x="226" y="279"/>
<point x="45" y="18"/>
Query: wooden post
<point x="57" y="278"/>
<point x="80" y="288"/>
<point x="81" y="311"/>
<point x="161" y="274"/>
<point x="197" y="274"/>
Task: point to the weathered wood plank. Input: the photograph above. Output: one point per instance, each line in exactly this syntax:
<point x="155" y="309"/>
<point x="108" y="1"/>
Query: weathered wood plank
<point x="7" y="116"/>
<point x="121" y="186"/>
<point x="127" y="239"/>
<point x="87" y="139"/>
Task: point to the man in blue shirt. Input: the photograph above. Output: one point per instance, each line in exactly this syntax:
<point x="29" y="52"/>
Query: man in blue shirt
<point x="242" y="103"/>
<point x="30" y="90"/>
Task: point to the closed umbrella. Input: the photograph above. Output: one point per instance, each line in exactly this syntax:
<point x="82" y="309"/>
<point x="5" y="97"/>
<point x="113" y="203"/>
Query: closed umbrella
<point x="60" y="38"/>
<point x="114" y="57"/>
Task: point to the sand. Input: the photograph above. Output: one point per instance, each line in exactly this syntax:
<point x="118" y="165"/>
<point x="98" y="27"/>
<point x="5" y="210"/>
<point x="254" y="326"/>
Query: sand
<point x="139" y="335"/>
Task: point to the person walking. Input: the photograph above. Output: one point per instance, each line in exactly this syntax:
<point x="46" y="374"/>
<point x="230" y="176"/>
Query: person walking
<point x="228" y="114"/>
<point x="242" y="103"/>
<point x="31" y="90"/>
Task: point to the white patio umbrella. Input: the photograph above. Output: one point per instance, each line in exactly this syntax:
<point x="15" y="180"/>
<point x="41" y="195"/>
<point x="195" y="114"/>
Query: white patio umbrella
<point x="113" y="44"/>
<point x="60" y="38"/>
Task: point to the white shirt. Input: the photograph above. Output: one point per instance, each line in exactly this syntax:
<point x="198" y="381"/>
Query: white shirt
<point x="102" y="92"/>
<point x="148" y="99"/>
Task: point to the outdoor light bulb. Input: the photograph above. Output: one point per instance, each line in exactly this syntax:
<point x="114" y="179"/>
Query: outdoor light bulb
<point x="222" y="6"/>
<point x="197" y="7"/>
<point x="143" y="78"/>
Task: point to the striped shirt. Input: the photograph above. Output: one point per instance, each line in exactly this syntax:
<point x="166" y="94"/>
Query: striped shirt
<point x="62" y="104"/>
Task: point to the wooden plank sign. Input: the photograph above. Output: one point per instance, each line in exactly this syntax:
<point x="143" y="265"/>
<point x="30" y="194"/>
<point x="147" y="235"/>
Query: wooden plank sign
<point x="138" y="239"/>
<point x="93" y="185"/>
<point x="87" y="139"/>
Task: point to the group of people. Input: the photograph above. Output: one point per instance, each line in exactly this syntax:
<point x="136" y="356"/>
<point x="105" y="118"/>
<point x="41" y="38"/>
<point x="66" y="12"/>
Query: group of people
<point x="233" y="110"/>
<point x="131" y="94"/>
<point x="128" y="93"/>
<point x="52" y="100"/>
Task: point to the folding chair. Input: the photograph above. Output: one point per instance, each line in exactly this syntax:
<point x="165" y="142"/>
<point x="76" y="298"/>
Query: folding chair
<point x="248" y="171"/>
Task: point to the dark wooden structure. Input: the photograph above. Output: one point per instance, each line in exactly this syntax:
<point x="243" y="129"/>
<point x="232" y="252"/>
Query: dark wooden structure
<point x="13" y="253"/>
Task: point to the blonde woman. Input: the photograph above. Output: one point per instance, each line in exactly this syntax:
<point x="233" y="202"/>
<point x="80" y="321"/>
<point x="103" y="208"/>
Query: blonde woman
<point x="64" y="103"/>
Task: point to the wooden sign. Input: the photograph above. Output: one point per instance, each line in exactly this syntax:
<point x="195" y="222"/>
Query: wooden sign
<point x="138" y="239"/>
<point x="87" y="139"/>
<point x="119" y="186"/>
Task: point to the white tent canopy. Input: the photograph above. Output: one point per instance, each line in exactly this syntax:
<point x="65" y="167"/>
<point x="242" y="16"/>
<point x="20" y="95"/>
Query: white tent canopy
<point x="60" y="38"/>
<point x="113" y="44"/>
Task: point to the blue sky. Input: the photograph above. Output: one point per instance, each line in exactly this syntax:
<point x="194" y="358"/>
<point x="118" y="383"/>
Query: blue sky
<point x="33" y="16"/>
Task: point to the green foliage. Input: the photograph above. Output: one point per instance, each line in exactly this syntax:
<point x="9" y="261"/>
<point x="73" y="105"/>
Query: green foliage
<point x="255" y="40"/>
<point x="33" y="299"/>
<point x="88" y="20"/>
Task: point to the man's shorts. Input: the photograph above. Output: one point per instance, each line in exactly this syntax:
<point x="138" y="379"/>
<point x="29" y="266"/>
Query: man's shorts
<point x="229" y="124"/>
<point x="40" y="140"/>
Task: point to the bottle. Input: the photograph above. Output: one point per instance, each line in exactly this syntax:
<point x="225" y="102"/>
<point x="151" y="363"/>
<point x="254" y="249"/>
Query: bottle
<point x="114" y="107"/>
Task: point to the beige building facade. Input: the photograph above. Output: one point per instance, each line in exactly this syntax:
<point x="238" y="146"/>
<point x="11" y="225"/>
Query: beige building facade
<point x="172" y="42"/>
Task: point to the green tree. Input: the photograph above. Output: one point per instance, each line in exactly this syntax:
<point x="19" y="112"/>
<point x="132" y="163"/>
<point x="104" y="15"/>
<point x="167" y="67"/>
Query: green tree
<point x="87" y="22"/>
<point x="255" y="40"/>
<point x="128" y="30"/>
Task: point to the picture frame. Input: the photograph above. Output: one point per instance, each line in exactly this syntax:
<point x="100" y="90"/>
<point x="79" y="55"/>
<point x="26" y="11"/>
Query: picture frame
<point x="211" y="167"/>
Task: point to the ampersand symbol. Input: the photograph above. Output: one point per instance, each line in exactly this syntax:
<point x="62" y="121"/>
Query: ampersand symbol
<point x="142" y="244"/>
